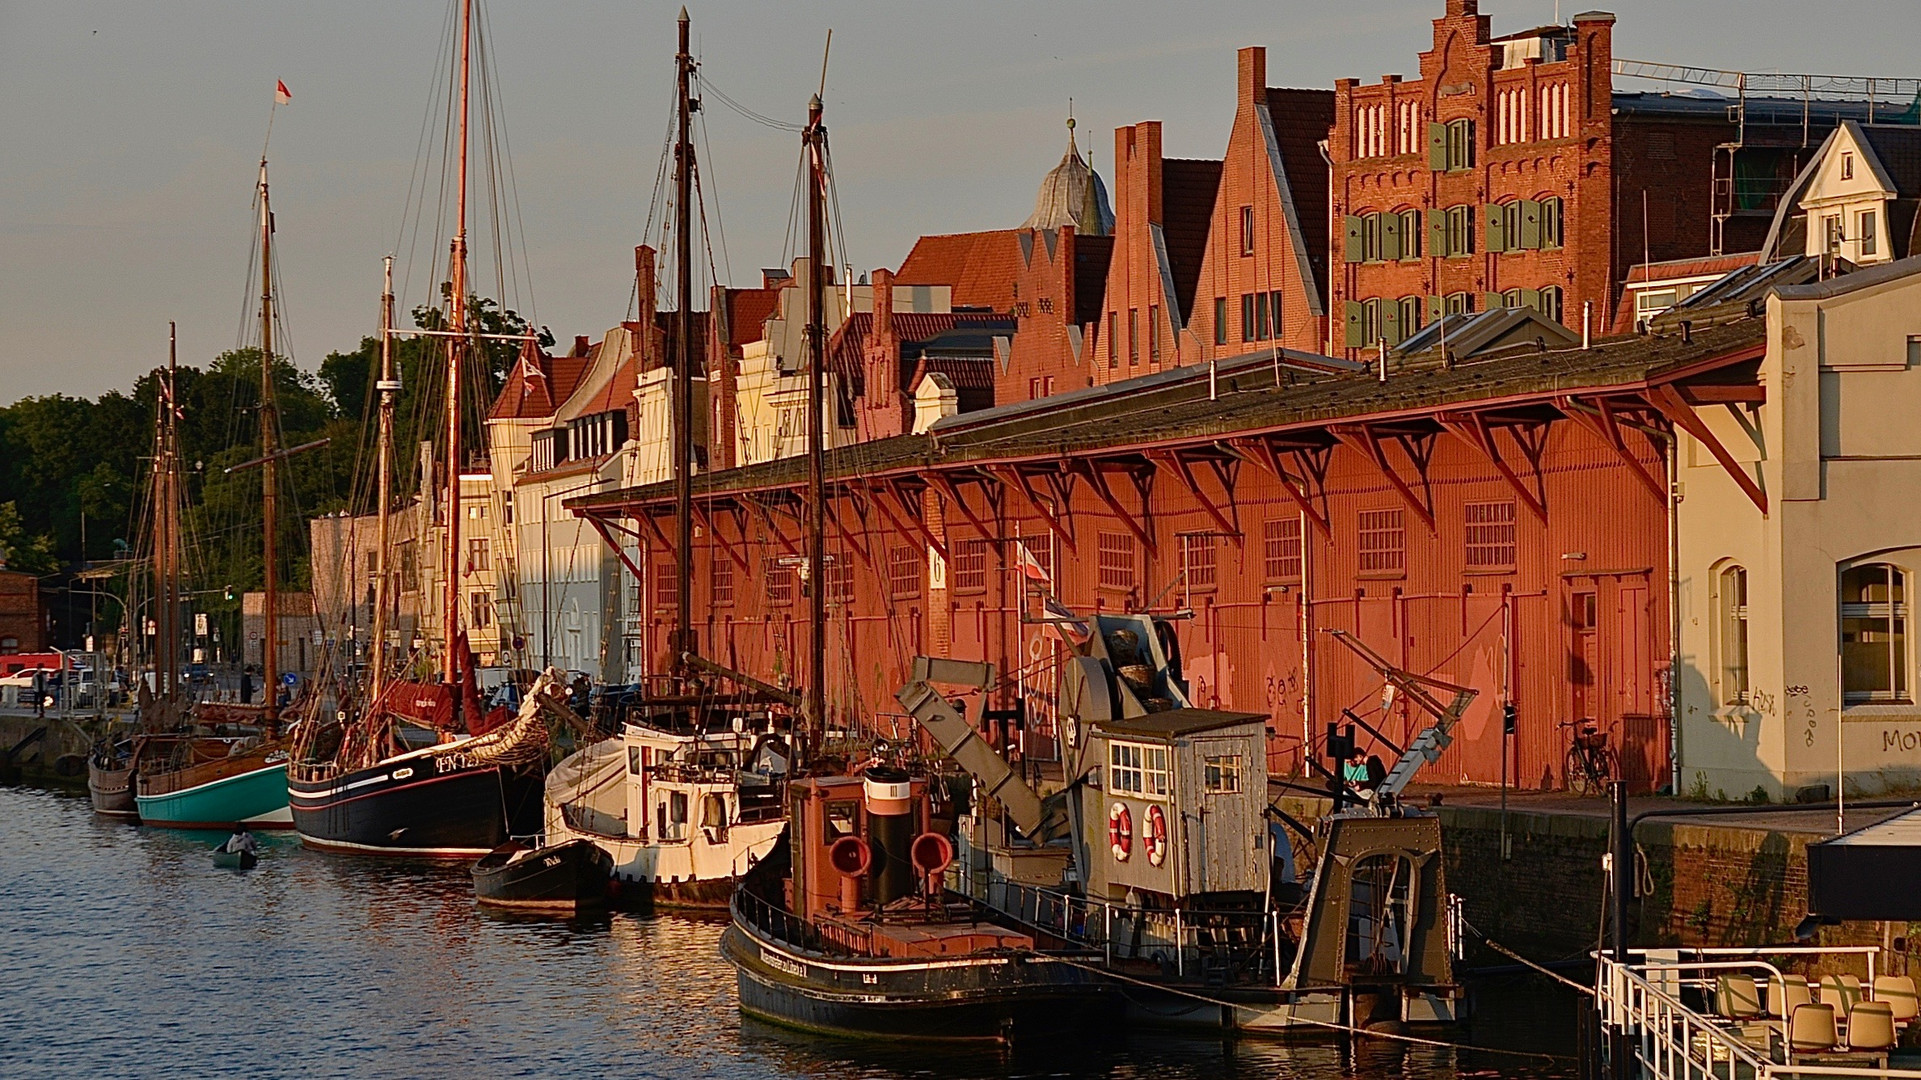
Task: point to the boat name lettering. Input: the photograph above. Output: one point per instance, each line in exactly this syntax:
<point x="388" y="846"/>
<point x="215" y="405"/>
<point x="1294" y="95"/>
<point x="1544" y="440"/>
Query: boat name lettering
<point x="551" y="860"/>
<point x="402" y="774"/>
<point x="781" y="963"/>
<point x="447" y="763"/>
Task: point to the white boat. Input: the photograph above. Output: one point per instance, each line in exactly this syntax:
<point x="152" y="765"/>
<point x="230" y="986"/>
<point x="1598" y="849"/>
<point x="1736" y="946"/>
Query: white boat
<point x="684" y="814"/>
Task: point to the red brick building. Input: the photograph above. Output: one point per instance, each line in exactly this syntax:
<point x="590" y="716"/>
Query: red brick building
<point x="1510" y="173"/>
<point x="1163" y="209"/>
<point x="23" y="617"/>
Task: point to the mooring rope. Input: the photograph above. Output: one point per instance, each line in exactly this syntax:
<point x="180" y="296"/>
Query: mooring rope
<point x="1525" y="962"/>
<point x="1414" y="1040"/>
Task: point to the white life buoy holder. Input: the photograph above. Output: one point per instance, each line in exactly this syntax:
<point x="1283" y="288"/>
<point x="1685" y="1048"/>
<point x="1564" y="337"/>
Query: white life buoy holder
<point x="1154" y="836"/>
<point x="1120" y="831"/>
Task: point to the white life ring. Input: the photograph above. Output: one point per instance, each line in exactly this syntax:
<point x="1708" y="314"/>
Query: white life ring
<point x="1120" y="831"/>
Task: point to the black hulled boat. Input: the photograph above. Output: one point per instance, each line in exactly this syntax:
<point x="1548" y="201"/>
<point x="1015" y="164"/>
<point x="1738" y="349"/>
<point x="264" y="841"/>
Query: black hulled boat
<point x="561" y="877"/>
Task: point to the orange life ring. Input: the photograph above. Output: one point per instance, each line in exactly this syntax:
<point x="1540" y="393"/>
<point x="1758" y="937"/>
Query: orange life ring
<point x="1154" y="836"/>
<point x="1120" y="831"/>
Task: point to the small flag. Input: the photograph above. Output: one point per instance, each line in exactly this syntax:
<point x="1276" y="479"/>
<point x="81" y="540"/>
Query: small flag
<point x="281" y="95"/>
<point x="530" y="372"/>
<point x="1030" y="566"/>
<point x="1071" y="627"/>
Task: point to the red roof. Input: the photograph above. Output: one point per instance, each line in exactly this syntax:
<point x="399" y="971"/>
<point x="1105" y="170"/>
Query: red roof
<point x="1302" y="118"/>
<point x="748" y="311"/>
<point x="522" y="399"/>
<point x="1695" y="267"/>
<point x="980" y="266"/>
<point x="849" y="345"/>
<point x="1188" y="188"/>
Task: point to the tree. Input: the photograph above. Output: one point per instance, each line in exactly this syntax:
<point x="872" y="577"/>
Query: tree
<point x="21" y="550"/>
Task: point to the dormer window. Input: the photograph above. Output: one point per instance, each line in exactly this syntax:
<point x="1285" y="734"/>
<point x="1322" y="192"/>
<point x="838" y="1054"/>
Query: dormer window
<point x="1847" y="166"/>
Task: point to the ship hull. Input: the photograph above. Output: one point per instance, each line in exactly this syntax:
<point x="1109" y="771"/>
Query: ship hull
<point x="256" y="798"/>
<point x="111" y="791"/>
<point x="415" y="807"/>
<point x="973" y="998"/>
<point x="562" y="878"/>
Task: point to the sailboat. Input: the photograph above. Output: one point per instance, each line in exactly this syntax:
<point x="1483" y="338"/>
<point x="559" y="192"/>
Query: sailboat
<point x="192" y="778"/>
<point x="690" y="795"/>
<point x="416" y="767"/>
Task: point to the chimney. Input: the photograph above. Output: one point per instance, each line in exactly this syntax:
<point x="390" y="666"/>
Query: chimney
<point x="1253" y="74"/>
<point x="1461" y="9"/>
<point x="883" y="303"/>
<point x="581" y="345"/>
<point x="645" y="286"/>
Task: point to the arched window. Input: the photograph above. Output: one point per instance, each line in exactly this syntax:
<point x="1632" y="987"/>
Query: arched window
<point x="1551" y="222"/>
<point x="1731" y="634"/>
<point x="1551" y="302"/>
<point x="1410" y="234"/>
<point x="1411" y="307"/>
<point x="1874" y="635"/>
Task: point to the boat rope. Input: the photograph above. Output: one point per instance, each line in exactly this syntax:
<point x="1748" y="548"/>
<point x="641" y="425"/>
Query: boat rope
<point x="1372" y="1033"/>
<point x="1525" y="962"/>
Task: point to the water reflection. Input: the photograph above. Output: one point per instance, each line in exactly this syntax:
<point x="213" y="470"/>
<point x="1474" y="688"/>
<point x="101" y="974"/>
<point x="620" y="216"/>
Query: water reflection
<point x="129" y="954"/>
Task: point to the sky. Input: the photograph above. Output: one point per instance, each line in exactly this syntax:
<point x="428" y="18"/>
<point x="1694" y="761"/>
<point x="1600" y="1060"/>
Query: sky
<point x="131" y="131"/>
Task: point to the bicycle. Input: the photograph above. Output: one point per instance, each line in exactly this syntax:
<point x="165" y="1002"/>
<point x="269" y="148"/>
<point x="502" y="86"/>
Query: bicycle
<point x="1591" y="762"/>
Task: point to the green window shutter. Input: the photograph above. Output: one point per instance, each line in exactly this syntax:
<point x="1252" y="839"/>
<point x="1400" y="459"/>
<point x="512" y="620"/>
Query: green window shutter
<point x="1491" y="301"/>
<point x="1351" y="312"/>
<point x="1531" y="298"/>
<point x="1530" y="224"/>
<point x="1391" y="321"/>
<point x="1437" y="233"/>
<point x="1390" y="237"/>
<point x="1496" y="217"/>
<point x="1351" y="225"/>
<point x="1437" y="147"/>
<point x="1436" y="307"/>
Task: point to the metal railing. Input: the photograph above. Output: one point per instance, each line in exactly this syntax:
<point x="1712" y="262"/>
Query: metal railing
<point x="1669" y="1040"/>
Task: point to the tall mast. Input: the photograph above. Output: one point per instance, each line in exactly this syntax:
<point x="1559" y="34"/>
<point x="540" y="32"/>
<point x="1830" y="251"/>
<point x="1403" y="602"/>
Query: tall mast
<point x="383" y="485"/>
<point x="815" y="138"/>
<point x="269" y="470"/>
<point x="456" y="354"/>
<point x="683" y="423"/>
<point x="167" y="537"/>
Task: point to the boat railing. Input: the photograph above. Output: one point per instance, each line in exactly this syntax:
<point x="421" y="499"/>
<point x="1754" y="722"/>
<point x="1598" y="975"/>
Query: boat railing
<point x="783" y="925"/>
<point x="1220" y="947"/>
<point x="1648" y="1003"/>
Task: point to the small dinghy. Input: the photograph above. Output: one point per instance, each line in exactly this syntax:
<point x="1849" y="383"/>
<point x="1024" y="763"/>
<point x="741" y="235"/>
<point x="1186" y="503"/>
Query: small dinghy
<point x="562" y="878"/>
<point x="235" y="860"/>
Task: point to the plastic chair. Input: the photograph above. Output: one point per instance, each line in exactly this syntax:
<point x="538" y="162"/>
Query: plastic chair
<point x="1840" y="992"/>
<point x="1898" y="992"/>
<point x="1811" y="1031"/>
<point x="1737" y="998"/>
<point x="1871" y="1030"/>
<point x="1785" y="992"/>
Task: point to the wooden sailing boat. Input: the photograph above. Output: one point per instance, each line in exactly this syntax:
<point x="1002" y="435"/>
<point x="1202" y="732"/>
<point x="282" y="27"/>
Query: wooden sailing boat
<point x="192" y="779"/>
<point x="365" y="783"/>
<point x="690" y="794"/>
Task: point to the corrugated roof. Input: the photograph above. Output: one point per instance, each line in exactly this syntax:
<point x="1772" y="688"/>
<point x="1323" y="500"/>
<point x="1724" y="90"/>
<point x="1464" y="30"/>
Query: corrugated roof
<point x="1188" y="189"/>
<point x="1119" y="416"/>
<point x="1174" y="723"/>
<point x="981" y="267"/>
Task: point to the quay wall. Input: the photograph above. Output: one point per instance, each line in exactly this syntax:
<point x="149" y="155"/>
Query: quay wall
<point x="1697" y="883"/>
<point x="58" y="757"/>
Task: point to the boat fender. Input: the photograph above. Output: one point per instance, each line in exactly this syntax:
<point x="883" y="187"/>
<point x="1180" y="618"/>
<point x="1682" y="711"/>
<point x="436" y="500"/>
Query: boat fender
<point x="1154" y="836"/>
<point x="1120" y="831"/>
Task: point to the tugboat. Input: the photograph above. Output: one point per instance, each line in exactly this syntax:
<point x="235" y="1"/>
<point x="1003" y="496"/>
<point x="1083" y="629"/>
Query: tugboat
<point x="846" y="929"/>
<point x="561" y="878"/>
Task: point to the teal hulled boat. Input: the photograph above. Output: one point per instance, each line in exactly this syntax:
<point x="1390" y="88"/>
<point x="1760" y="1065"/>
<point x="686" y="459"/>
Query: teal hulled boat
<point x="204" y="791"/>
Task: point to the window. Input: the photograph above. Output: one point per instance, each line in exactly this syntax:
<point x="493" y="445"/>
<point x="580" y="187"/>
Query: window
<point x="1133" y="336"/>
<point x="903" y="572"/>
<point x="477" y="554"/>
<point x="1221" y="775"/>
<point x="1370" y="322"/>
<point x="1552" y="302"/>
<point x="780" y="582"/>
<point x="1459" y="303"/>
<point x="1274" y="310"/>
<point x="1490" y="537"/>
<point x="1510" y="299"/>
<point x="1554" y="111"/>
<point x="1220" y="320"/>
<point x="1382" y="542"/>
<point x="1154" y="333"/>
<point x="839" y="580"/>
<point x="1731" y="607"/>
<point x="1137" y="769"/>
<point x="1410" y="234"/>
<point x="1247" y="316"/>
<point x="1371" y="238"/>
<point x="1200" y="560"/>
<point x="1281" y="549"/>
<point x="1113" y="347"/>
<point x="721" y="582"/>
<point x="1408" y="132"/>
<point x="1511" y="217"/>
<point x="1847" y="166"/>
<point x="480" y="609"/>
<point x="1831" y="230"/>
<point x="1874" y="634"/>
<point x="1864" y="229"/>
<point x="1247" y="230"/>
<point x="970" y="566"/>
<point x="1551" y="216"/>
<point x="1460" y="231"/>
<point x="1263" y="330"/>
<point x="1410" y="320"/>
<point x="666" y="585"/>
<point x="1460" y="145"/>
<point x="1117" y="561"/>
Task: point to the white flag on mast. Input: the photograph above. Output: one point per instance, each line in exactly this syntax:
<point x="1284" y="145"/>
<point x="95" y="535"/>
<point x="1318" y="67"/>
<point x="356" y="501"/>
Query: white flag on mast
<point x="281" y="95"/>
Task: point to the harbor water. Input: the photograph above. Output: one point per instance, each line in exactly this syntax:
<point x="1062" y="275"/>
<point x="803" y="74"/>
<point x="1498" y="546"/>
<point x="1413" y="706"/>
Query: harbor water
<point x="126" y="954"/>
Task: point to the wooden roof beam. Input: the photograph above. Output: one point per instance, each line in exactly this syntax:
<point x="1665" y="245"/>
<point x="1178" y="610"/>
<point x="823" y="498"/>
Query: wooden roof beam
<point x="1603" y="423"/>
<point x="1173" y="460"/>
<point x="1092" y="471"/>
<point x="1473" y="430"/>
<point x="846" y="534"/>
<point x="1677" y="410"/>
<point x="1260" y="453"/>
<point x="1015" y="480"/>
<point x="952" y="493"/>
<point x="767" y="518"/>
<point x="910" y="513"/>
<point x="720" y="541"/>
<point x="1363" y="440"/>
<point x="600" y="526"/>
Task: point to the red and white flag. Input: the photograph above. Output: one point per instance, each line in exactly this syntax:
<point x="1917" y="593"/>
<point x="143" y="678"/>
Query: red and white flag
<point x="530" y="372"/>
<point x="1031" y="567"/>
<point x="281" y="95"/>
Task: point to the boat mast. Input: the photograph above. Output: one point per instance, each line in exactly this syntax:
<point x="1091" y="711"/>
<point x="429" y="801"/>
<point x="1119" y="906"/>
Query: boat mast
<point x="815" y="139"/>
<point x="683" y="420"/>
<point x="167" y="538"/>
<point x="383" y="484"/>
<point x="269" y="470"/>
<point x="456" y="354"/>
